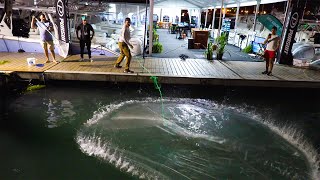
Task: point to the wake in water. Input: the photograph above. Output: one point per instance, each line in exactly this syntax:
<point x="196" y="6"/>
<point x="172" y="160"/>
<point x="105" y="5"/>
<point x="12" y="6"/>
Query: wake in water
<point x="197" y="139"/>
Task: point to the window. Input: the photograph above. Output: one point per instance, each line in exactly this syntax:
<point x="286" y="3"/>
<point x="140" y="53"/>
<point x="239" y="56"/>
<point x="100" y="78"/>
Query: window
<point x="166" y="18"/>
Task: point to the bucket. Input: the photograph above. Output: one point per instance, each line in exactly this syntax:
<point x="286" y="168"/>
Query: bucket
<point x="31" y="61"/>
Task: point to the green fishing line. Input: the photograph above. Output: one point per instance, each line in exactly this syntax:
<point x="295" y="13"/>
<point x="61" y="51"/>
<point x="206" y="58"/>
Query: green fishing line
<point x="156" y="85"/>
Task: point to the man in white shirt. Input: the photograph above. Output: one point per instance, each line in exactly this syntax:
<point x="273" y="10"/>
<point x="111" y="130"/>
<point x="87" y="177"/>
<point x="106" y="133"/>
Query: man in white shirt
<point x="273" y="43"/>
<point x="124" y="45"/>
<point x="46" y="40"/>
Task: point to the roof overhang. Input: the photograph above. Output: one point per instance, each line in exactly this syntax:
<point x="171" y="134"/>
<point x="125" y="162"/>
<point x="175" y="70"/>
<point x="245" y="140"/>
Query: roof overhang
<point x="210" y="4"/>
<point x="242" y="3"/>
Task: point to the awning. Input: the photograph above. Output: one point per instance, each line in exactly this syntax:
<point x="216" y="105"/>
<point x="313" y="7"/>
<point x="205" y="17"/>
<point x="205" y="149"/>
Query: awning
<point x="269" y="21"/>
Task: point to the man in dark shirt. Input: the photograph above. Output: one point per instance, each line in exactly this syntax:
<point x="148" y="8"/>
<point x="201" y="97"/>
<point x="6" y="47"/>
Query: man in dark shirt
<point x="85" y="38"/>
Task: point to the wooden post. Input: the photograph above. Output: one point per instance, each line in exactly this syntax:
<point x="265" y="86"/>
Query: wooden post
<point x="255" y="15"/>
<point x="220" y="20"/>
<point x="151" y="26"/>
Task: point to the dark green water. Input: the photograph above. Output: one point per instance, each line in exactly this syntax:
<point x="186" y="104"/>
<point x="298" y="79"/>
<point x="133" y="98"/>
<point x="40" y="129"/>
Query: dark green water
<point x="72" y="131"/>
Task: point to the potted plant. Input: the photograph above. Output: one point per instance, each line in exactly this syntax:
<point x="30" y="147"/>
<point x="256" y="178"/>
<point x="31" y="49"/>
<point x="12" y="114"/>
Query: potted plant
<point x="155" y="35"/>
<point x="209" y="51"/>
<point x="173" y="29"/>
<point x="221" y="42"/>
<point x="157" y="47"/>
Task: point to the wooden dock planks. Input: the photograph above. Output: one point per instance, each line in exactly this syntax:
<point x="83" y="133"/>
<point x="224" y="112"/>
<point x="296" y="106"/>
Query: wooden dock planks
<point x="244" y="73"/>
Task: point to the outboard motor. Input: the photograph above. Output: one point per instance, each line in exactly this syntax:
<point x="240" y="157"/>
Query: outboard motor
<point x="315" y="64"/>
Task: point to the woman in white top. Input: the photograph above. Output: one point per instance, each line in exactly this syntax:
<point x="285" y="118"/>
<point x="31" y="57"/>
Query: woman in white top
<point x="273" y="43"/>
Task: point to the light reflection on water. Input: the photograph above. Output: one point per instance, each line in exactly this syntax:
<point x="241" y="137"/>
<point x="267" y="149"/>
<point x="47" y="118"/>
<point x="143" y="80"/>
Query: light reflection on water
<point x="58" y="112"/>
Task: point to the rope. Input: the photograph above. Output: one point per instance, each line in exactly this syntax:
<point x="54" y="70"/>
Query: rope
<point x="157" y="87"/>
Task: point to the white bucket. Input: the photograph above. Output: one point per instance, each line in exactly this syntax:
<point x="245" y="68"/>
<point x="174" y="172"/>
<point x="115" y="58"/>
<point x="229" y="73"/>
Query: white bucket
<point x="31" y="61"/>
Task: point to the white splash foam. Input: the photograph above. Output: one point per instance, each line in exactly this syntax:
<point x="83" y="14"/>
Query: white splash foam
<point x="93" y="146"/>
<point x="292" y="135"/>
<point x="105" y="110"/>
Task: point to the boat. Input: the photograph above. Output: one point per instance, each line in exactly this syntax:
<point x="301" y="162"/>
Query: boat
<point x="104" y="42"/>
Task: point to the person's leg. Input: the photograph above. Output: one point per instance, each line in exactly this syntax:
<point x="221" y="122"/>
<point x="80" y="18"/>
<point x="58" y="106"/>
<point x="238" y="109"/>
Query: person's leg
<point x="82" y="44"/>
<point x="51" y="47"/>
<point x="272" y="56"/>
<point x="271" y="61"/>
<point x="88" y="43"/>
<point x="266" y="56"/>
<point x="127" y="53"/>
<point x="45" y="48"/>
<point x="120" y="58"/>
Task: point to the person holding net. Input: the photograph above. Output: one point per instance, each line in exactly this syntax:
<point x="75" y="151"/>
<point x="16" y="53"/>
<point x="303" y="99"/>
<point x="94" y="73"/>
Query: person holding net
<point x="46" y="40"/>
<point x="124" y="45"/>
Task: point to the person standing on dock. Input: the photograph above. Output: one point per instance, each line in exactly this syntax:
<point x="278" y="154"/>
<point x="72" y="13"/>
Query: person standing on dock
<point x="46" y="40"/>
<point x="85" y="38"/>
<point x="273" y="44"/>
<point x="124" y="45"/>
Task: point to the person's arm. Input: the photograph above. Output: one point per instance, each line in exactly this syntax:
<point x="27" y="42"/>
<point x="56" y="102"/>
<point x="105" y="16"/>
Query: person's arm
<point x="126" y="39"/>
<point x="50" y="28"/>
<point x="92" y="32"/>
<point x="77" y="29"/>
<point x="267" y="39"/>
<point x="33" y="22"/>
<point x="278" y="43"/>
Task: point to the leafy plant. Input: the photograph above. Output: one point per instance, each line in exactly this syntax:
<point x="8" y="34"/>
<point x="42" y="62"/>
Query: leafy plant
<point x="219" y="47"/>
<point x="209" y="51"/>
<point x="3" y="62"/>
<point x="221" y="42"/>
<point x="247" y="49"/>
<point x="155" y="35"/>
<point x="173" y="29"/>
<point x="157" y="47"/>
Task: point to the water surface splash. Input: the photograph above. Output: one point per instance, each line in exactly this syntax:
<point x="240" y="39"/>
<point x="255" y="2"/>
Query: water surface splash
<point x="197" y="139"/>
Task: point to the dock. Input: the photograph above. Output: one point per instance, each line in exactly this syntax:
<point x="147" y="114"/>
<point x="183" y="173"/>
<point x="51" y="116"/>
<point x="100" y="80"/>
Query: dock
<point x="167" y="70"/>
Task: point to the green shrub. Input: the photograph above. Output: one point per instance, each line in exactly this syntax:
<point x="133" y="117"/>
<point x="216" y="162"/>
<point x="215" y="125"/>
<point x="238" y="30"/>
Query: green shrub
<point x="157" y="47"/>
<point x="247" y="49"/>
<point x="221" y="42"/>
<point x="173" y="29"/>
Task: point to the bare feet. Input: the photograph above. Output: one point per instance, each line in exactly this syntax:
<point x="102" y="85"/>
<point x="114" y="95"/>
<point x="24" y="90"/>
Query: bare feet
<point x="47" y="61"/>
